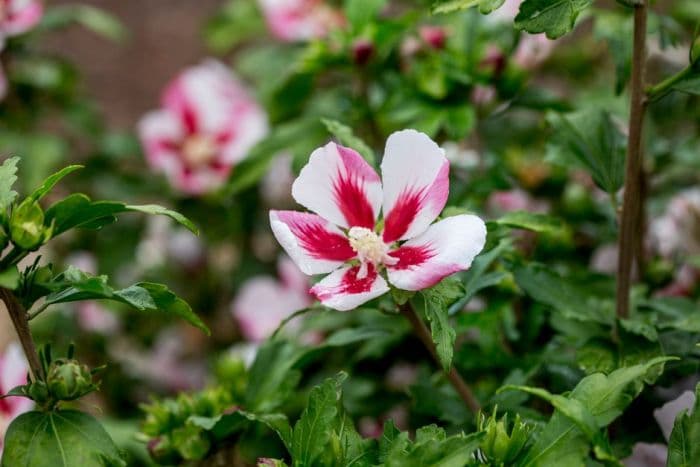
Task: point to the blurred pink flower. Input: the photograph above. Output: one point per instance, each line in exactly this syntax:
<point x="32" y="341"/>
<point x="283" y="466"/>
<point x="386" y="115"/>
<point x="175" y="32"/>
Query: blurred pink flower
<point x="483" y="95"/>
<point x="300" y="20"/>
<point x="207" y="123"/>
<point x="677" y="231"/>
<point x="604" y="258"/>
<point x="13" y="373"/>
<point x="342" y="237"/>
<point x="18" y="17"/>
<point x="647" y="455"/>
<point x="532" y="50"/>
<point x="435" y="36"/>
<point x="263" y="302"/>
<point x="514" y="200"/>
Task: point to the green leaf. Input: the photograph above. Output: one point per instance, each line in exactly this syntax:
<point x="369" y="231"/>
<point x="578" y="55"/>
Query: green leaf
<point x="65" y="438"/>
<point x="435" y="303"/>
<point x="552" y="17"/>
<point x="573" y="302"/>
<point x="96" y="20"/>
<point x="272" y="376"/>
<point x="541" y="223"/>
<point x="433" y="448"/>
<point x="684" y="444"/>
<point x="346" y="137"/>
<point x="485" y="6"/>
<point x="562" y="442"/>
<point x="51" y="181"/>
<point x="8" y="177"/>
<point x="591" y="139"/>
<point x="313" y="430"/>
<point x="689" y="85"/>
<point x="75" y="285"/>
<point x="79" y="211"/>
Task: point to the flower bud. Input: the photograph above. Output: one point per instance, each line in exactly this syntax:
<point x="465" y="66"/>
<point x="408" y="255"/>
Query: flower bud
<point x="27" y="225"/>
<point x="362" y="51"/>
<point x="268" y="462"/>
<point x="162" y="451"/>
<point x="499" y="446"/>
<point x="435" y="36"/>
<point x="192" y="442"/>
<point x="68" y="380"/>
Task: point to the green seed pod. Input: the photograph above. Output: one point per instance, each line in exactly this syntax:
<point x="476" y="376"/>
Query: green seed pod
<point x="68" y="380"/>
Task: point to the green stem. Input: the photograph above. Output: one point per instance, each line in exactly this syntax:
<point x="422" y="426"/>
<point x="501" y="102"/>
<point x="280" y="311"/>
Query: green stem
<point x="423" y="333"/>
<point x="659" y="90"/>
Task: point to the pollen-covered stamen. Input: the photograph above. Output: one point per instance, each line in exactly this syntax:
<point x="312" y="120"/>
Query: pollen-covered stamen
<point x="199" y="150"/>
<point x="370" y="248"/>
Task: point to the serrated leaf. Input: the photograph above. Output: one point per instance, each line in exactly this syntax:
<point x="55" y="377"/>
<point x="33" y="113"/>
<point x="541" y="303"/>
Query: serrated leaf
<point x="313" y="430"/>
<point x="684" y="443"/>
<point x="589" y="138"/>
<point x="8" y="177"/>
<point x="435" y="303"/>
<point x="347" y="137"/>
<point x="485" y="6"/>
<point x="75" y="285"/>
<point x="552" y="17"/>
<point x="65" y="438"/>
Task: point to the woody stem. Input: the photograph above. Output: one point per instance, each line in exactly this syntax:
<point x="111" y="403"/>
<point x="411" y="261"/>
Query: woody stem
<point x="423" y="333"/>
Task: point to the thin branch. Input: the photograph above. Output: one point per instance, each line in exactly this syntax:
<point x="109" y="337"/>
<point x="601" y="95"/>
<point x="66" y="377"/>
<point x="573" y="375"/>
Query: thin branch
<point x="660" y="90"/>
<point x="19" y="319"/>
<point x="632" y="207"/>
<point x="455" y="379"/>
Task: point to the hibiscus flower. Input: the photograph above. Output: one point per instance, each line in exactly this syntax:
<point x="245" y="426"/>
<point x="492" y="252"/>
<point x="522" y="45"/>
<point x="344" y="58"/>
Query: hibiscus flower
<point x="345" y="237"/>
<point x="300" y="20"/>
<point x="208" y="122"/>
<point x="18" y="17"/>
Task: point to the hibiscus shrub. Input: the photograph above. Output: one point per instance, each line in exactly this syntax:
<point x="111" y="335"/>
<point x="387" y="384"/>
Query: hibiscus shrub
<point x="445" y="232"/>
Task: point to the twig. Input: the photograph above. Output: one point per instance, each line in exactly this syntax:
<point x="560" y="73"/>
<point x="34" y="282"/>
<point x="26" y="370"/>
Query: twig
<point x="659" y="90"/>
<point x="19" y="319"/>
<point x="456" y="380"/>
<point x="631" y="206"/>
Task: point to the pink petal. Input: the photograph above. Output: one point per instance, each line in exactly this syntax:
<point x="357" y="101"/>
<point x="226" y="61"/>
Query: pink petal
<point x="261" y="305"/>
<point x="448" y="246"/>
<point x="160" y="133"/>
<point x="298" y="20"/>
<point x="339" y="185"/>
<point x="314" y="244"/>
<point x="416" y="184"/>
<point x="22" y="15"/>
<point x="13" y="373"/>
<point x="342" y="290"/>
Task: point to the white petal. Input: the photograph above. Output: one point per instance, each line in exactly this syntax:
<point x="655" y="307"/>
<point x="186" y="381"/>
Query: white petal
<point x="415" y="173"/>
<point x="448" y="246"/>
<point x="314" y="244"/>
<point x="340" y="186"/>
<point x="343" y="291"/>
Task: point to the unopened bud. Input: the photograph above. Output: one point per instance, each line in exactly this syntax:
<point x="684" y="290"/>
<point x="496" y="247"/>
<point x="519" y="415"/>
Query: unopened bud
<point x="362" y="51"/>
<point x="68" y="380"/>
<point x="27" y="225"/>
<point x="435" y="36"/>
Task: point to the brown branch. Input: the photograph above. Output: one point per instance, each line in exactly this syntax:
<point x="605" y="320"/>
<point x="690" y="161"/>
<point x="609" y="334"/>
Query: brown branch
<point x="19" y="318"/>
<point x="632" y="206"/>
<point x="455" y="379"/>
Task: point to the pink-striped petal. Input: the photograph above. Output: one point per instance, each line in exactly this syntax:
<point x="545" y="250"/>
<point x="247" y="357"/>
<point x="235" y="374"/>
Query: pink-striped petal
<point x="339" y="185"/>
<point x="342" y="290"/>
<point x="313" y="243"/>
<point x="415" y="173"/>
<point x="13" y="373"/>
<point x="448" y="246"/>
<point x="161" y="135"/>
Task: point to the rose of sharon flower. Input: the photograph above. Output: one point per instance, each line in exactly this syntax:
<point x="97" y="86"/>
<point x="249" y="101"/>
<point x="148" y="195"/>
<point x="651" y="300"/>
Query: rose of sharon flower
<point x="18" y="17"/>
<point x="300" y="20"/>
<point x="344" y="236"/>
<point x="207" y="123"/>
<point x="13" y="373"/>
<point x="264" y="302"/>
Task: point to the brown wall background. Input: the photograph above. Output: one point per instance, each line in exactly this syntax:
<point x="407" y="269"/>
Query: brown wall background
<point x="126" y="79"/>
